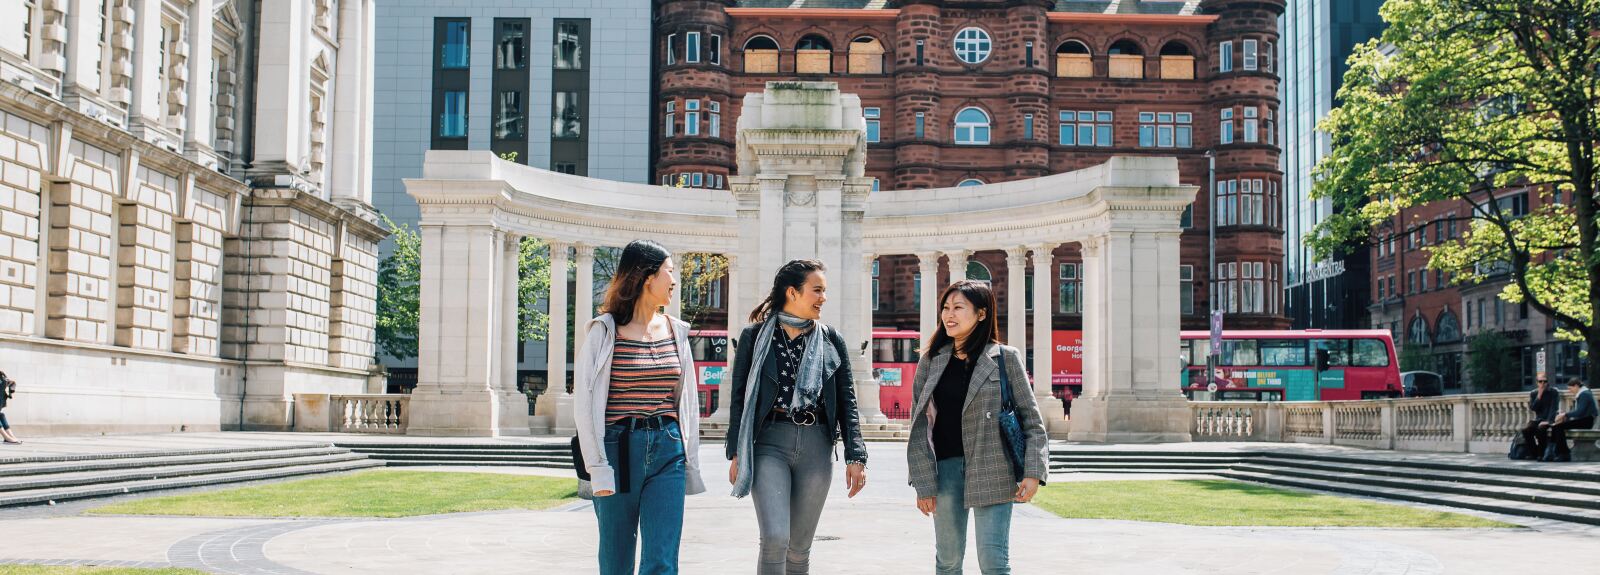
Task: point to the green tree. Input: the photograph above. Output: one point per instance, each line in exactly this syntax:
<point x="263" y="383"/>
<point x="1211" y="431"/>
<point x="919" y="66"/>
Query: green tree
<point x="1415" y="357"/>
<point x="700" y="273"/>
<point x="1458" y="99"/>
<point x="1489" y="364"/>
<point x="400" y="294"/>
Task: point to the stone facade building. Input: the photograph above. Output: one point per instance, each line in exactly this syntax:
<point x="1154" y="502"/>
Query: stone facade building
<point x="988" y="91"/>
<point x="187" y="231"/>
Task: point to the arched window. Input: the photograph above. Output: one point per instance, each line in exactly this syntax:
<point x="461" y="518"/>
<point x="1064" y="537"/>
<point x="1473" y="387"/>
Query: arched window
<point x="1126" y="60"/>
<point x="978" y="272"/>
<point x="969" y="182"/>
<point x="1177" y="61"/>
<point x="972" y="127"/>
<point x="760" y="55"/>
<point x="866" y="56"/>
<point x="1418" y="332"/>
<point x="1073" y="60"/>
<point x="813" y="55"/>
<point x="1449" y="330"/>
<point x="973" y="45"/>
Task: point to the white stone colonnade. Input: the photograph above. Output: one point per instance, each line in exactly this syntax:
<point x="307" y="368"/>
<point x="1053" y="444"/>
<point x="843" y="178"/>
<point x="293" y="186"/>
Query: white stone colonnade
<point x="801" y="194"/>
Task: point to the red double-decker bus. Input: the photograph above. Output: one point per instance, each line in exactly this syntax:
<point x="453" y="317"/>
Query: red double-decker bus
<point x="894" y="364"/>
<point x="1282" y="365"/>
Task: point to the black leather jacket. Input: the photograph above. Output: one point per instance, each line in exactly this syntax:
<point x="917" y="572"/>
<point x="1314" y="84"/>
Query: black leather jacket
<point x="838" y="400"/>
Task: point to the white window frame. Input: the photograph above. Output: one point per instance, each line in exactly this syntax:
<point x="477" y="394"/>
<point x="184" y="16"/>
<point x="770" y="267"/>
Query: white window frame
<point x="875" y="285"/>
<point x="972" y="128"/>
<point x="969" y="182"/>
<point x="1225" y="56"/>
<point x="874" y="129"/>
<point x="669" y="128"/>
<point x="1251" y="125"/>
<point x="1225" y="126"/>
<point x="714" y="56"/>
<point x="1027" y="126"/>
<point x="1251" y="57"/>
<point x="691" y="117"/>
<point x="974" y="43"/>
<point x="672" y="51"/>
<point x="691" y="48"/>
<point x="714" y="114"/>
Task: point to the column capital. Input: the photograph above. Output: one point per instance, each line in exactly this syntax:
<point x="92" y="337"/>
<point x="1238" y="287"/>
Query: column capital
<point x="558" y="246"/>
<point x="953" y="254"/>
<point x="585" y="253"/>
<point x="1091" y="246"/>
<point x="1043" y="254"/>
<point x="1016" y="255"/>
<point x="928" y="258"/>
<point x="867" y="259"/>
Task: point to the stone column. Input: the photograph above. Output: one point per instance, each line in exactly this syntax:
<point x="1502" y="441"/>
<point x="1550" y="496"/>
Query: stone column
<point x="562" y="422"/>
<point x="198" y="112"/>
<point x="583" y="308"/>
<point x="958" y="266"/>
<point x="867" y="394"/>
<point x="514" y="404"/>
<point x="928" y="266"/>
<point x="351" y="105"/>
<point x="1050" y="408"/>
<point x="1129" y="396"/>
<point x="736" y="322"/>
<point x="1016" y="296"/>
<point x="459" y="388"/>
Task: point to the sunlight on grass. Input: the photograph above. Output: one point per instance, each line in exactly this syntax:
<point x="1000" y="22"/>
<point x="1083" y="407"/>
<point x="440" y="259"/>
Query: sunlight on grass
<point x="375" y="493"/>
<point x="1232" y="503"/>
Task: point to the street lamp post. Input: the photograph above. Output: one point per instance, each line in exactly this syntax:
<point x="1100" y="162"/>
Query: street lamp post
<point x="1211" y="266"/>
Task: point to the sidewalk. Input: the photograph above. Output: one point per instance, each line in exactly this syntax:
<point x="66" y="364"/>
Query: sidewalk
<point x="879" y="531"/>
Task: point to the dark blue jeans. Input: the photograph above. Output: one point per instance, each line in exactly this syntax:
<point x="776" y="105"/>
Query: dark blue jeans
<point x="652" y="504"/>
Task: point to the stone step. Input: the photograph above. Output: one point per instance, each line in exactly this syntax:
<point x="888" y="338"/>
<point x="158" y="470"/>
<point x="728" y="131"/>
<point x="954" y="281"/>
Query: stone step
<point x="561" y="447"/>
<point x="6" y="461"/>
<point x="144" y="460"/>
<point x="467" y="457"/>
<point x="452" y="450"/>
<point x="41" y="496"/>
<point x="81" y="478"/>
<point x="454" y="463"/>
<point x="1146" y="466"/>
<point x="1540" y="510"/>
<point x="1498" y="466"/>
<point x="1443" y="484"/>
<point x="1075" y="459"/>
<point x="1591" y="488"/>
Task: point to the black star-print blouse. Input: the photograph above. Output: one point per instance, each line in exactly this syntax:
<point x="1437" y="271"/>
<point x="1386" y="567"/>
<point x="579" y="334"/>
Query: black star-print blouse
<point x="788" y="351"/>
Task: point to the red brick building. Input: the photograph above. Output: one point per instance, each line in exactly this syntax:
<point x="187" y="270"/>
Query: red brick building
<point x="1430" y="312"/>
<point x="984" y="91"/>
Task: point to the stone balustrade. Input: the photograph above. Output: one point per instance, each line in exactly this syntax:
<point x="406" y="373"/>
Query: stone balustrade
<point x="1477" y="423"/>
<point x="364" y="413"/>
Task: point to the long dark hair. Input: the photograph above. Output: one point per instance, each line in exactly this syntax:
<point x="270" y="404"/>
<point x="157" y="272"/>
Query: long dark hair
<point x="791" y="275"/>
<point x="640" y="260"/>
<point x="988" y="329"/>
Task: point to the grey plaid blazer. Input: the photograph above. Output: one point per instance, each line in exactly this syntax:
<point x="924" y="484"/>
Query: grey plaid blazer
<point x="988" y="478"/>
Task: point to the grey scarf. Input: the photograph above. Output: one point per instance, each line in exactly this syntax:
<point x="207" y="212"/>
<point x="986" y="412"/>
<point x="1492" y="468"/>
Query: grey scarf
<point x="820" y="360"/>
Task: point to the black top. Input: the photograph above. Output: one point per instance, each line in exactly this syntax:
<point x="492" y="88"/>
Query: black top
<point x="1546" y="407"/>
<point x="788" y="352"/>
<point x="949" y="396"/>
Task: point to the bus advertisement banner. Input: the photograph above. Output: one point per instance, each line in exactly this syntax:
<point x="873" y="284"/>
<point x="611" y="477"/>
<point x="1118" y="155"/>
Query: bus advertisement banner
<point x="887" y="376"/>
<point x="1067" y="358"/>
<point x="712" y="375"/>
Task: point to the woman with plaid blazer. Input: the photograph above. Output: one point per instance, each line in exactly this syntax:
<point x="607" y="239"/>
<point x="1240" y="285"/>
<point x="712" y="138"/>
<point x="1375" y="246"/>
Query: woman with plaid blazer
<point x="957" y="460"/>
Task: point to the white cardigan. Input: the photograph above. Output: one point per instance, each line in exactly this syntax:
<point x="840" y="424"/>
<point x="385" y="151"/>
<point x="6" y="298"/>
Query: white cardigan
<point x="592" y="385"/>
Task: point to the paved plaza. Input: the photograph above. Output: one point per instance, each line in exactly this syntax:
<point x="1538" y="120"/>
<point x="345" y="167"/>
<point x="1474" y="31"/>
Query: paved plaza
<point x="877" y="532"/>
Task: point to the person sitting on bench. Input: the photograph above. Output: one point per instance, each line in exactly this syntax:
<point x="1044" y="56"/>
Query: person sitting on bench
<point x="1581" y="416"/>
<point x="1545" y="403"/>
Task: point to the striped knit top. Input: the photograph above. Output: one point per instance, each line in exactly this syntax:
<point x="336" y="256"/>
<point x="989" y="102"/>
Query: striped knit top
<point x="644" y="375"/>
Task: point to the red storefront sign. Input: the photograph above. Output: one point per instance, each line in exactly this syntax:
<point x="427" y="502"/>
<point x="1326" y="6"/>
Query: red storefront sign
<point x="1066" y="359"/>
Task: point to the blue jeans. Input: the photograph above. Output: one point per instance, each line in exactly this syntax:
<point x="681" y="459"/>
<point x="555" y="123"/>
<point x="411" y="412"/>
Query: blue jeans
<point x="950" y="526"/>
<point x="793" y="470"/>
<point x="653" y="503"/>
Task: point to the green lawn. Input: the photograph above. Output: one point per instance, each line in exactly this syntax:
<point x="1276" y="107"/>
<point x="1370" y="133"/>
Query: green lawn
<point x="374" y="493"/>
<point x="1232" y="503"/>
<point x="54" y="570"/>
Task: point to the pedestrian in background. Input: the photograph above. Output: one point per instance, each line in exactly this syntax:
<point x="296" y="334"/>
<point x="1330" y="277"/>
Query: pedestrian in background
<point x="1581" y="416"/>
<point x="1545" y="403"/>
<point x="8" y="388"/>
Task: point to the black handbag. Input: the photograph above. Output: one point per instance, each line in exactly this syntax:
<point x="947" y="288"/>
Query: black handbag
<point x="1011" y="436"/>
<point x="577" y="461"/>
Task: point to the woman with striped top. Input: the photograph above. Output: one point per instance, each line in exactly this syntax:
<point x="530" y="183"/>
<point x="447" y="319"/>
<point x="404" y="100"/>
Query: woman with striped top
<point x="637" y="416"/>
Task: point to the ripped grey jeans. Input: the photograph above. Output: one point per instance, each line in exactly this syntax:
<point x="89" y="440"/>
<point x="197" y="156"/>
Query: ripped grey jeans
<point x="793" y="469"/>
